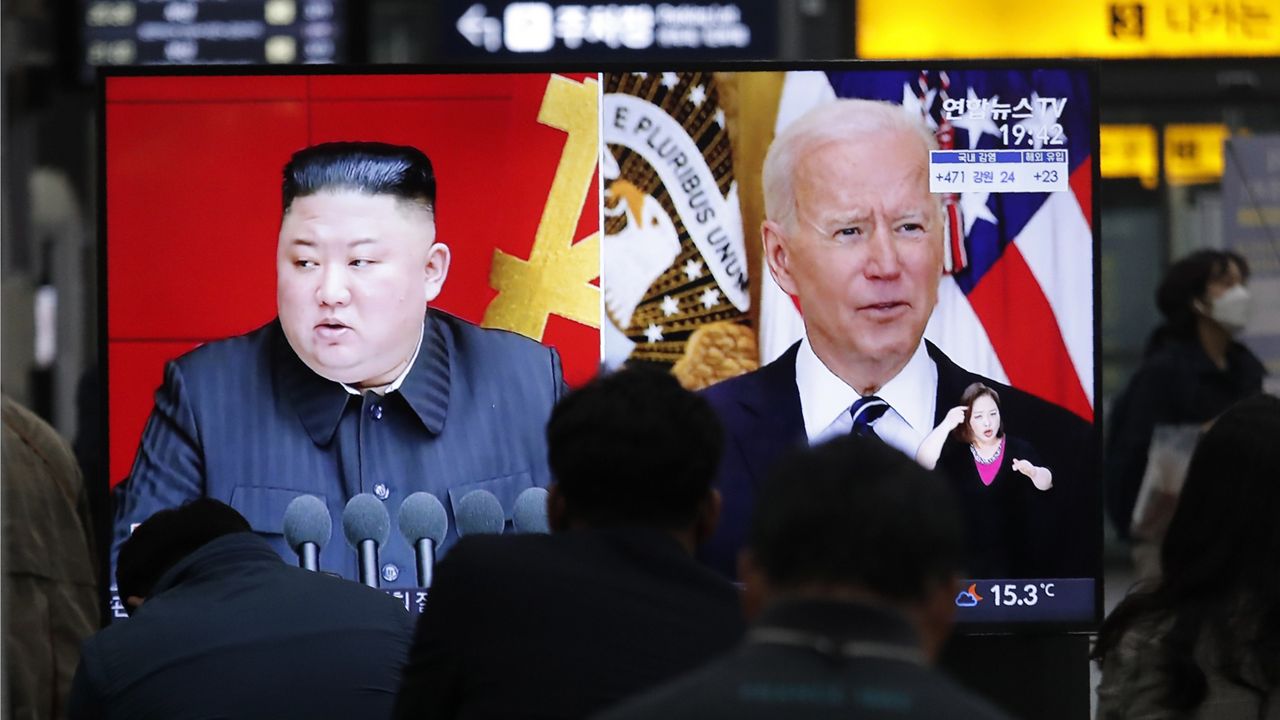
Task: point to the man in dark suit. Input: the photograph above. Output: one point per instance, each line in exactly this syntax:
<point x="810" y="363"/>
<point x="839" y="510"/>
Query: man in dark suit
<point x="851" y="579"/>
<point x="221" y="627"/>
<point x="351" y="389"/>
<point x="852" y="230"/>
<point x="611" y="602"/>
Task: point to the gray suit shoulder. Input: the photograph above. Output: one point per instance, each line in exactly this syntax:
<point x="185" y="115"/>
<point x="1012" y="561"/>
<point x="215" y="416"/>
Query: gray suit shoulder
<point x="239" y="355"/>
<point x="489" y="353"/>
<point x="501" y="343"/>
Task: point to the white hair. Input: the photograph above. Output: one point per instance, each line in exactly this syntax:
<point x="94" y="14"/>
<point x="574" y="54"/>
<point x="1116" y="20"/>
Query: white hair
<point x="835" y="120"/>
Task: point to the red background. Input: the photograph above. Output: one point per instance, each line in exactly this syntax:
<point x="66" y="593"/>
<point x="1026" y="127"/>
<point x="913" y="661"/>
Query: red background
<point x="193" y="172"/>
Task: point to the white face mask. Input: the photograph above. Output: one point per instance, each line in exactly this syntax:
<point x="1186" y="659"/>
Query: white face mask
<point x="1231" y="309"/>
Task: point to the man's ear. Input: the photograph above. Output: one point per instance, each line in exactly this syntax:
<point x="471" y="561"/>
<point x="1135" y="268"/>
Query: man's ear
<point x="775" y="254"/>
<point x="936" y="615"/>
<point x="708" y="516"/>
<point x="755" y="586"/>
<point x="557" y="513"/>
<point x="133" y="602"/>
<point x="436" y="269"/>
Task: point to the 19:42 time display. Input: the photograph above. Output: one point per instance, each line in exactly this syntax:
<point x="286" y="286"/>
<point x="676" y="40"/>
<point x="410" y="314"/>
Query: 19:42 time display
<point x="1012" y="594"/>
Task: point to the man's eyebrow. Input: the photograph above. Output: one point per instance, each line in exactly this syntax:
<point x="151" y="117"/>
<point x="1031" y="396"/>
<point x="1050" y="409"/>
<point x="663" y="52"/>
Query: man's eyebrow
<point x="306" y="242"/>
<point x="845" y="217"/>
<point x="911" y="214"/>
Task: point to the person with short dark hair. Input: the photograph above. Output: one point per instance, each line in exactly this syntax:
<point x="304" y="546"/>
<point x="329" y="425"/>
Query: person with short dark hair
<point x="596" y="443"/>
<point x="167" y="537"/>
<point x="1192" y="370"/>
<point x="220" y="626"/>
<point x="851" y="573"/>
<point x="1203" y="639"/>
<point x="612" y="601"/>
<point x="356" y="386"/>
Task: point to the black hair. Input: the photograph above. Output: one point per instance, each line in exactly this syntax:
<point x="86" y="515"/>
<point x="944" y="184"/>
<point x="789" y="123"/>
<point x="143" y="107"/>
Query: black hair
<point x="371" y="168"/>
<point x="857" y="513"/>
<point x="970" y="396"/>
<point x="1186" y="280"/>
<point x="167" y="537"/>
<point x="634" y="448"/>
<point x="1219" y="582"/>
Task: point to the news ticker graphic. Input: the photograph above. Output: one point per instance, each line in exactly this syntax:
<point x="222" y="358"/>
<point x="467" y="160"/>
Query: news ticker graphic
<point x="1008" y="171"/>
<point x="981" y="601"/>
<point x="413" y="599"/>
<point x="1025" y="600"/>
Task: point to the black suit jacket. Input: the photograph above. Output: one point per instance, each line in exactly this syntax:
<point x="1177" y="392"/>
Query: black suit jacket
<point x="231" y="631"/>
<point x="762" y="419"/>
<point x="783" y="671"/>
<point x="562" y="625"/>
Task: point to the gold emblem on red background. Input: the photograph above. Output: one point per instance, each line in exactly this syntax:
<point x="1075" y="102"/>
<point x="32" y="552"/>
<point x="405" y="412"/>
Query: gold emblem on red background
<point x="556" y="277"/>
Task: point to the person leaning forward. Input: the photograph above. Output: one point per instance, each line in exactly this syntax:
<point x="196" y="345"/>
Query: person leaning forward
<point x="221" y="627"/>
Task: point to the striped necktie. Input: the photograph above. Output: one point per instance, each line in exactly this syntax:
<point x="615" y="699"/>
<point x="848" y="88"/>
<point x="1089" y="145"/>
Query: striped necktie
<point x="865" y="413"/>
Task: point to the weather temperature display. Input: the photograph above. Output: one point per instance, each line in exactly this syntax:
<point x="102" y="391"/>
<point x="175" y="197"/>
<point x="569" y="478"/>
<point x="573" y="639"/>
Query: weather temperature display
<point x="1026" y="600"/>
<point x="1029" y="594"/>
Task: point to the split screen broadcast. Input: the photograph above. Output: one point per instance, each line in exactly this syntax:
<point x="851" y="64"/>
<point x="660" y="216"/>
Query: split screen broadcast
<point x="903" y="250"/>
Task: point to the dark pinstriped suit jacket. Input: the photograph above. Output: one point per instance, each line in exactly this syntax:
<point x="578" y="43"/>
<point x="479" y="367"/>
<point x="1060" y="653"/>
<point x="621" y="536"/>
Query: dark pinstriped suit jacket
<point x="244" y="421"/>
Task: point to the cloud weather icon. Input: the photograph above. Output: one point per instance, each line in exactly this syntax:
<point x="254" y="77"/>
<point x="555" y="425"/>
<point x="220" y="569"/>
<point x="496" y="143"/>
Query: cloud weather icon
<point x="968" y="598"/>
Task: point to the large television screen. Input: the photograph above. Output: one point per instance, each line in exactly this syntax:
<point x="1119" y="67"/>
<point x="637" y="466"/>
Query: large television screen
<point x="628" y="218"/>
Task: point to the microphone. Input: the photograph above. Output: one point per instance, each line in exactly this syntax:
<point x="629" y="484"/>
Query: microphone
<point x="479" y="513"/>
<point x="530" y="513"/>
<point x="423" y="523"/>
<point x="307" y="528"/>
<point x="366" y="524"/>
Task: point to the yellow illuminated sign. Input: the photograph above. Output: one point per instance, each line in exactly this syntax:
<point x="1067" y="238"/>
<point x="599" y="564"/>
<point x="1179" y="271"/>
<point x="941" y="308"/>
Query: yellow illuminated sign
<point x="1193" y="153"/>
<point x="1129" y="151"/>
<point x="1080" y="28"/>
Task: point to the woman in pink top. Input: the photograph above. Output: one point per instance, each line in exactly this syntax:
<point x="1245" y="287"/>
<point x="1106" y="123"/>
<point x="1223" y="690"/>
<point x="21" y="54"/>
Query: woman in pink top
<point x="997" y="477"/>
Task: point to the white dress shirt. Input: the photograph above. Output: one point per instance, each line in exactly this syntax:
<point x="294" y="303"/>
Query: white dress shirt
<point x="395" y="384"/>
<point x="825" y="400"/>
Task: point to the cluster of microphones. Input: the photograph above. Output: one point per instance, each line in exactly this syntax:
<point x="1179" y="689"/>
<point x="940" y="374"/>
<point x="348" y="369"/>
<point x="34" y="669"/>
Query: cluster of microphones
<point x="422" y="520"/>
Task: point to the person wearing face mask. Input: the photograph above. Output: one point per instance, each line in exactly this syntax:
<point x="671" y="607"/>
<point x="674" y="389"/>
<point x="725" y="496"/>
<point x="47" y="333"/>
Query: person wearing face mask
<point x="1192" y="370"/>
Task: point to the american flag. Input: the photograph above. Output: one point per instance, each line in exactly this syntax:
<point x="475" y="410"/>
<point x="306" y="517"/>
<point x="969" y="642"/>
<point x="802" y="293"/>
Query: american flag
<point x="1016" y="304"/>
